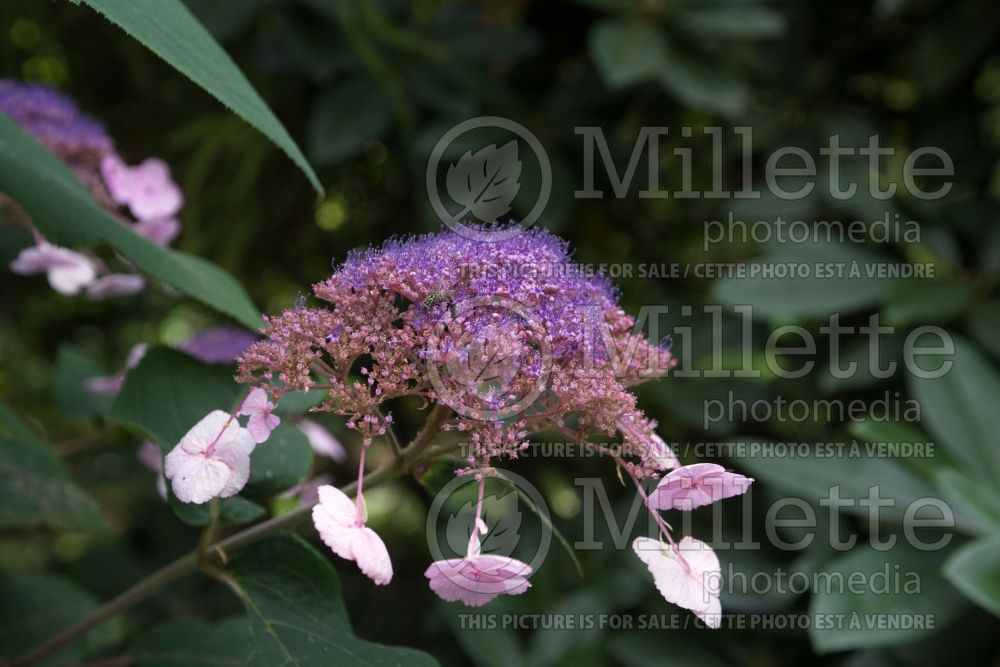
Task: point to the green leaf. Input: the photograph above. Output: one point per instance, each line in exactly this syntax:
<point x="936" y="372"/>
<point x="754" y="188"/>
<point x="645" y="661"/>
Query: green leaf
<point x="67" y="214"/>
<point x="897" y="583"/>
<point x="739" y="21"/>
<point x="812" y="476"/>
<point x="975" y="570"/>
<point x="960" y="409"/>
<point x="703" y="84"/>
<point x="485" y="644"/>
<point x="298" y="402"/>
<point x="627" y="51"/>
<point x="37" y="490"/>
<point x="190" y="642"/>
<point x="983" y="323"/>
<point x="345" y="118"/>
<point x="543" y="516"/>
<point x="802" y="297"/>
<point x="280" y="463"/>
<point x="163" y="397"/>
<point x="169" y="392"/>
<point x="235" y="510"/>
<point x="73" y="369"/>
<point x="168" y="29"/>
<point x="926" y="302"/>
<point x="297" y="616"/>
<point x="974" y="497"/>
<point x="34" y="608"/>
<point x="649" y="648"/>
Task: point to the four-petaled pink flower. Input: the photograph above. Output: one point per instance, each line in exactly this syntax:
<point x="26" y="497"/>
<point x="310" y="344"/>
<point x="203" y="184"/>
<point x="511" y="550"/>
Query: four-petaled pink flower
<point x="476" y="579"/>
<point x="686" y="574"/>
<point x="696" y="485"/>
<point x="146" y="188"/>
<point x="211" y="460"/>
<point x="340" y="524"/>
<point x="258" y="408"/>
<point x="68" y="271"/>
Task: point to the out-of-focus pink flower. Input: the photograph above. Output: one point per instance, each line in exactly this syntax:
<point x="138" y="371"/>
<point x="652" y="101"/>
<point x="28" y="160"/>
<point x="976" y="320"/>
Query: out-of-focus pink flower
<point x="696" y="485"/>
<point x="115" y="284"/>
<point x="257" y="406"/>
<point x="219" y="345"/>
<point x="112" y="384"/>
<point x="686" y="574"/>
<point x="146" y="188"/>
<point x="322" y="441"/>
<point x="68" y="271"/>
<point x="476" y="579"/>
<point x="341" y="526"/>
<point x="160" y="231"/>
<point x="211" y="460"/>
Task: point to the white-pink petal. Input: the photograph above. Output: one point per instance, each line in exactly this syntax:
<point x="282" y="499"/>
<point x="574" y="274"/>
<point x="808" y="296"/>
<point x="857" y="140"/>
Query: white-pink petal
<point x="339" y="526"/>
<point x="687" y="575"/>
<point x="696" y="485"/>
<point x="478" y="579"/>
<point x="68" y="272"/>
<point x="196" y="478"/>
<point x="211" y="460"/>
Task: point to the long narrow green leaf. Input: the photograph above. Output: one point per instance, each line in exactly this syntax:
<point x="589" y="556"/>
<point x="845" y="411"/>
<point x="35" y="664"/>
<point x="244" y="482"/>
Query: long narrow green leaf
<point x="168" y="29"/>
<point x="67" y="214"/>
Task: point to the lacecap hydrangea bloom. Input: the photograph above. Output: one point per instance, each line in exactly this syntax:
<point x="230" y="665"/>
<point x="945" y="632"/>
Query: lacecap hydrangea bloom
<point x="509" y="338"/>
<point x="143" y="197"/>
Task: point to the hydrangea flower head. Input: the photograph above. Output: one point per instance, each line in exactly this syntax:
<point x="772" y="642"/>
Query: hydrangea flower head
<point x="511" y="335"/>
<point x="54" y="120"/>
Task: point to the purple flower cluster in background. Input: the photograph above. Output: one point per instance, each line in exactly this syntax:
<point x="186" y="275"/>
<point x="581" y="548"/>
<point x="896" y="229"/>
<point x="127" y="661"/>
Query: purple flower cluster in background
<point x="142" y="196"/>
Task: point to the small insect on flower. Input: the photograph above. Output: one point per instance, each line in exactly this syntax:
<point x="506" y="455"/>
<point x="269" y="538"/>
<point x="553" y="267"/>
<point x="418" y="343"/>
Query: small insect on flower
<point x="437" y="297"/>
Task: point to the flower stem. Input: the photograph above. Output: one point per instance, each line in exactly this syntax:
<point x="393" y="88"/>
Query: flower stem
<point x="217" y="552"/>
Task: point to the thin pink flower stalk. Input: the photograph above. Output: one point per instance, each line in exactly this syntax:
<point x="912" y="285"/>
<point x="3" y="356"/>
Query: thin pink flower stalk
<point x="341" y="525"/>
<point x="478" y="578"/>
